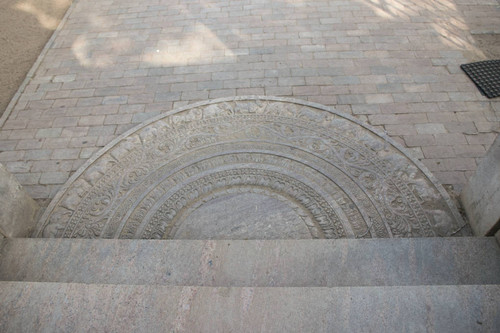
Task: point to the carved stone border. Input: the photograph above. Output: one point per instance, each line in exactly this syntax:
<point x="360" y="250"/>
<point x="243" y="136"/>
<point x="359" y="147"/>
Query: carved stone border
<point x="114" y="142"/>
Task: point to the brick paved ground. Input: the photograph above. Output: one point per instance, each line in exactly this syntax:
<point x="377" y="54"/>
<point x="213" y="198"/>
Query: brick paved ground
<point x="392" y="63"/>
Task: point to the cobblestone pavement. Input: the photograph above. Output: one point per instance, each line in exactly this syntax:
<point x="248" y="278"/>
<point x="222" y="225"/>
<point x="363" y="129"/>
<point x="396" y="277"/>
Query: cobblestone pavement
<point x="391" y="63"/>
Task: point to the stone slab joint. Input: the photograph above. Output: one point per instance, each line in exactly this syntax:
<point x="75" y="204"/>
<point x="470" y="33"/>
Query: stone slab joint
<point x="481" y="196"/>
<point x="18" y="211"/>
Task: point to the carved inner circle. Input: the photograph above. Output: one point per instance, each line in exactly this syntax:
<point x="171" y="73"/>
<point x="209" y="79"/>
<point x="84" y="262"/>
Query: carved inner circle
<point x="243" y="214"/>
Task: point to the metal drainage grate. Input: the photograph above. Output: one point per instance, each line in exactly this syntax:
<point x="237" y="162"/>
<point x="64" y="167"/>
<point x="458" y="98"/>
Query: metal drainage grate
<point x="486" y="76"/>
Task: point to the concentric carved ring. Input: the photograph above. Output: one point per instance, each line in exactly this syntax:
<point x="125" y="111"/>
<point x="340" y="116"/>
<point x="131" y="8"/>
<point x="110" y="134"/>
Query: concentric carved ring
<point x="251" y="167"/>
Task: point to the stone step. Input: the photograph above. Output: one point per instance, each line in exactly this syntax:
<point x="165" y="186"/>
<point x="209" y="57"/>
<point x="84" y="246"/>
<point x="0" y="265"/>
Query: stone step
<point x="254" y="263"/>
<point x="70" y="307"/>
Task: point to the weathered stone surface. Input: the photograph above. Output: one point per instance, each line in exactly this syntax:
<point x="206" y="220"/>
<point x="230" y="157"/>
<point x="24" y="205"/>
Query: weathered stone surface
<point x="17" y="209"/>
<point x="481" y="195"/>
<point x="251" y="168"/>
<point x="256" y="263"/>
<point x="49" y="307"/>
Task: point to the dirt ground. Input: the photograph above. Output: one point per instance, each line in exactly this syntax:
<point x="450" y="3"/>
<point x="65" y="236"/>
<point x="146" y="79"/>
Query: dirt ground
<point x="25" y="28"/>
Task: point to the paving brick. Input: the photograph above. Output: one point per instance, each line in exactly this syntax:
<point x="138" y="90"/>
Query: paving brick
<point x="56" y="142"/>
<point x="306" y="90"/>
<point x="28" y="178"/>
<point x="469" y="150"/>
<point x="379" y="98"/>
<point x="91" y="120"/>
<point x="101" y="142"/>
<point x="450" y="139"/>
<point x="278" y="91"/>
<point x="7" y="145"/>
<point x="487" y="127"/>
<point x="57" y="94"/>
<point x="183" y="87"/>
<point x="250" y="91"/>
<point x="423" y="107"/>
<point x="66" y="154"/>
<point x="115" y="100"/>
<point x="389" y="119"/>
<point x="417" y="140"/>
<point x="416" y="88"/>
<point x="210" y="85"/>
<point x="462" y="96"/>
<point x="128" y="109"/>
<point x="64" y="103"/>
<point x="102" y="130"/>
<point x="291" y="81"/>
<point x="434" y="164"/>
<point x="319" y="80"/>
<point x="441" y="117"/>
<point x="48" y="133"/>
<point x="438" y="152"/>
<point x="219" y="93"/>
<point x="400" y="130"/>
<point x="231" y="84"/>
<point x="365" y="109"/>
<point x="104" y="109"/>
<point x="345" y="80"/>
<point x="89" y="141"/>
<point x="406" y="97"/>
<point x="481" y="139"/>
<point x="118" y="119"/>
<point x="38" y="154"/>
<point x="89" y="101"/>
<point x="29" y="144"/>
<point x="65" y="122"/>
<point x="123" y="128"/>
<point x="38" y="191"/>
<point x="51" y="166"/>
<point x="140" y="98"/>
<point x="140" y="117"/>
<point x="352" y="99"/>
<point x="55" y="177"/>
<point x="22" y="134"/>
<point x="18" y="166"/>
<point x="451" y="177"/>
<point x="15" y="124"/>
<point x="431" y="128"/>
<point x="461" y="164"/>
<point x="194" y="95"/>
<point x="434" y="97"/>
<point x="326" y="100"/>
<point x="461" y="127"/>
<point x="389" y="88"/>
<point x="167" y="96"/>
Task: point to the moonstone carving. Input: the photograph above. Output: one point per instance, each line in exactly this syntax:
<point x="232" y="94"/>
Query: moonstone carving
<point x="251" y="167"/>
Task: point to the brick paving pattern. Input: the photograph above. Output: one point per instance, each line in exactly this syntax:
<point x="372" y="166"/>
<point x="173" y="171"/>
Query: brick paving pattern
<point x="393" y="64"/>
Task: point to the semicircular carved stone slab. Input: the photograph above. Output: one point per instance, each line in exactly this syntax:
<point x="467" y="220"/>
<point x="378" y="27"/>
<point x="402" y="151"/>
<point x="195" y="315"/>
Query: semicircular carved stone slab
<point x="251" y="168"/>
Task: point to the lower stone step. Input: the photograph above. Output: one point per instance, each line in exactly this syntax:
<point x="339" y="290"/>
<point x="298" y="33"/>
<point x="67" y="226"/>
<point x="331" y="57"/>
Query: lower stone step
<point x="284" y="263"/>
<point x="50" y="307"/>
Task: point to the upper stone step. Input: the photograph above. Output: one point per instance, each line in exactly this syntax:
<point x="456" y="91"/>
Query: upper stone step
<point x="50" y="307"/>
<point x="258" y="263"/>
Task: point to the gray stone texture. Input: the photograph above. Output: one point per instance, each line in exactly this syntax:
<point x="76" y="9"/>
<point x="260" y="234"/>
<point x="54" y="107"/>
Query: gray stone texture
<point x="49" y="307"/>
<point x="481" y="195"/>
<point x="18" y="211"/>
<point x="254" y="263"/>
